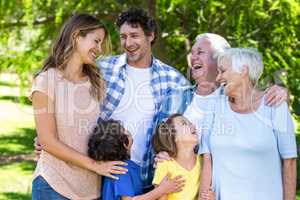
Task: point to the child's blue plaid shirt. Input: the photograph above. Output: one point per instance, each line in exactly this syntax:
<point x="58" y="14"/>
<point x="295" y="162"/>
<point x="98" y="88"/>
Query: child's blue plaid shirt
<point x="164" y="79"/>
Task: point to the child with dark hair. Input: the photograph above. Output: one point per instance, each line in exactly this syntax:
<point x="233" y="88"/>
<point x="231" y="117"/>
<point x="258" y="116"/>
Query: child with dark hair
<point x="110" y="142"/>
<point x="178" y="137"/>
<point x="104" y="143"/>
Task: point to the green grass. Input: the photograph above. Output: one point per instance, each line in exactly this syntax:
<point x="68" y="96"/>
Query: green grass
<point x="15" y="180"/>
<point x="16" y="147"/>
<point x="15" y="196"/>
<point x="16" y="144"/>
<point x="19" y="141"/>
<point x="16" y="129"/>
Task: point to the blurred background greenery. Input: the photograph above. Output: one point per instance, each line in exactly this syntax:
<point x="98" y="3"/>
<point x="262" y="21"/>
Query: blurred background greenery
<point x="29" y="26"/>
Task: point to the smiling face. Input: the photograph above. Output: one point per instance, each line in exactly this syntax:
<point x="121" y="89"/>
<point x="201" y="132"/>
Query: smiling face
<point x="88" y="47"/>
<point x="136" y="44"/>
<point x="204" y="67"/>
<point x="230" y="79"/>
<point x="185" y="131"/>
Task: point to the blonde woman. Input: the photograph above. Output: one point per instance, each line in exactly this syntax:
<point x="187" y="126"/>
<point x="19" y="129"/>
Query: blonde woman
<point x="65" y="97"/>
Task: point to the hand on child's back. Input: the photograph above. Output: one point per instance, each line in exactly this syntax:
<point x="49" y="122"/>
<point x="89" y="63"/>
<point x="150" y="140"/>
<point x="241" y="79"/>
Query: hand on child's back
<point x="172" y="185"/>
<point x="160" y="157"/>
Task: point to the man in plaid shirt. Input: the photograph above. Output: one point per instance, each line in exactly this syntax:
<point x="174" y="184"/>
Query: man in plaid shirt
<point x="137" y="83"/>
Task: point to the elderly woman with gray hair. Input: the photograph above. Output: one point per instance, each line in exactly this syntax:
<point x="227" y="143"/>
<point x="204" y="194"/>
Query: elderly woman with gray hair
<point x="252" y="146"/>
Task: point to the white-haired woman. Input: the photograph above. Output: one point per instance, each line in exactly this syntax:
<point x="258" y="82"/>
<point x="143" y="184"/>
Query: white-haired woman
<point x="252" y="145"/>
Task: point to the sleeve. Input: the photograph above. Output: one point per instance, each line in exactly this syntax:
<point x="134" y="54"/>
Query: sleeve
<point x="104" y="63"/>
<point x="207" y="126"/>
<point x="165" y="107"/>
<point x="204" y="146"/>
<point x="44" y="83"/>
<point x="182" y="81"/>
<point x="100" y="63"/>
<point x="106" y="66"/>
<point x="124" y="186"/>
<point x="160" y="172"/>
<point x="283" y="128"/>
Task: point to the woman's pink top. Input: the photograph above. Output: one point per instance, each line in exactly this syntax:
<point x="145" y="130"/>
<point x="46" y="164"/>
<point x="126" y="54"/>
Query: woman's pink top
<point x="76" y="114"/>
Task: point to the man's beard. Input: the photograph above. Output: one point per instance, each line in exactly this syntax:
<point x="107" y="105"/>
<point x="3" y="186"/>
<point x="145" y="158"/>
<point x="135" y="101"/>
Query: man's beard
<point x="134" y="58"/>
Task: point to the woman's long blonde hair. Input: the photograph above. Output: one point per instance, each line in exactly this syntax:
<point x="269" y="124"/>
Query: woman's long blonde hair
<point x="64" y="46"/>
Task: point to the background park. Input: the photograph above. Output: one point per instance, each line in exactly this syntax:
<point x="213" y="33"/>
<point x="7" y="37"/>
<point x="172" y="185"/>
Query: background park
<point x="29" y="26"/>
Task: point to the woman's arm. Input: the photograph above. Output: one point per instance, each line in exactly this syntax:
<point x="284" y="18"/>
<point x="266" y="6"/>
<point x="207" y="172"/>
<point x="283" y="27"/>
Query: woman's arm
<point x="160" y="192"/>
<point x="153" y="195"/>
<point x="164" y="197"/>
<point x="206" y="175"/>
<point x="47" y="134"/>
<point x="289" y="178"/>
<point x="284" y="130"/>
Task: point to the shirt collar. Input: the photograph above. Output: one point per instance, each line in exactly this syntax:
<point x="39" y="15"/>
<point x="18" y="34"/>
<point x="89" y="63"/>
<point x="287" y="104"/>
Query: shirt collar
<point x="217" y="92"/>
<point x="122" y="62"/>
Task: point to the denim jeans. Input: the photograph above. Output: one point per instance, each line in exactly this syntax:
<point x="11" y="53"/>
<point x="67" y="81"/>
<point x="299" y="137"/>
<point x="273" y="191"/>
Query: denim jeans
<point x="41" y="190"/>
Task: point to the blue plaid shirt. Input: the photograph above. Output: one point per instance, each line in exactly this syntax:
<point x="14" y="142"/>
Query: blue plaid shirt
<point x="164" y="79"/>
<point x="176" y="102"/>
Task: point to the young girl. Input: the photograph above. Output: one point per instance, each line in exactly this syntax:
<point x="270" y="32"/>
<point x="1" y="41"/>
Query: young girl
<point x="109" y="142"/>
<point x="65" y="96"/>
<point x="178" y="137"/>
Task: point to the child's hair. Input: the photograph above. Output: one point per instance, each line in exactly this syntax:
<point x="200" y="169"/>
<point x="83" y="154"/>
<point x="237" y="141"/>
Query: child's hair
<point x="64" y="47"/>
<point x="108" y="141"/>
<point x="165" y="136"/>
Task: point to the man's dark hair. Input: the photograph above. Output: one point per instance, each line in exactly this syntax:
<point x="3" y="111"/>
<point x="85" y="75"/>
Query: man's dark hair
<point x="107" y="142"/>
<point x="138" y="17"/>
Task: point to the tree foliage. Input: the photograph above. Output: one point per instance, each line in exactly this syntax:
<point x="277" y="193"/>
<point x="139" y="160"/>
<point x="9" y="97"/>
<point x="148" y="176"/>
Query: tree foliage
<point x="271" y="26"/>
